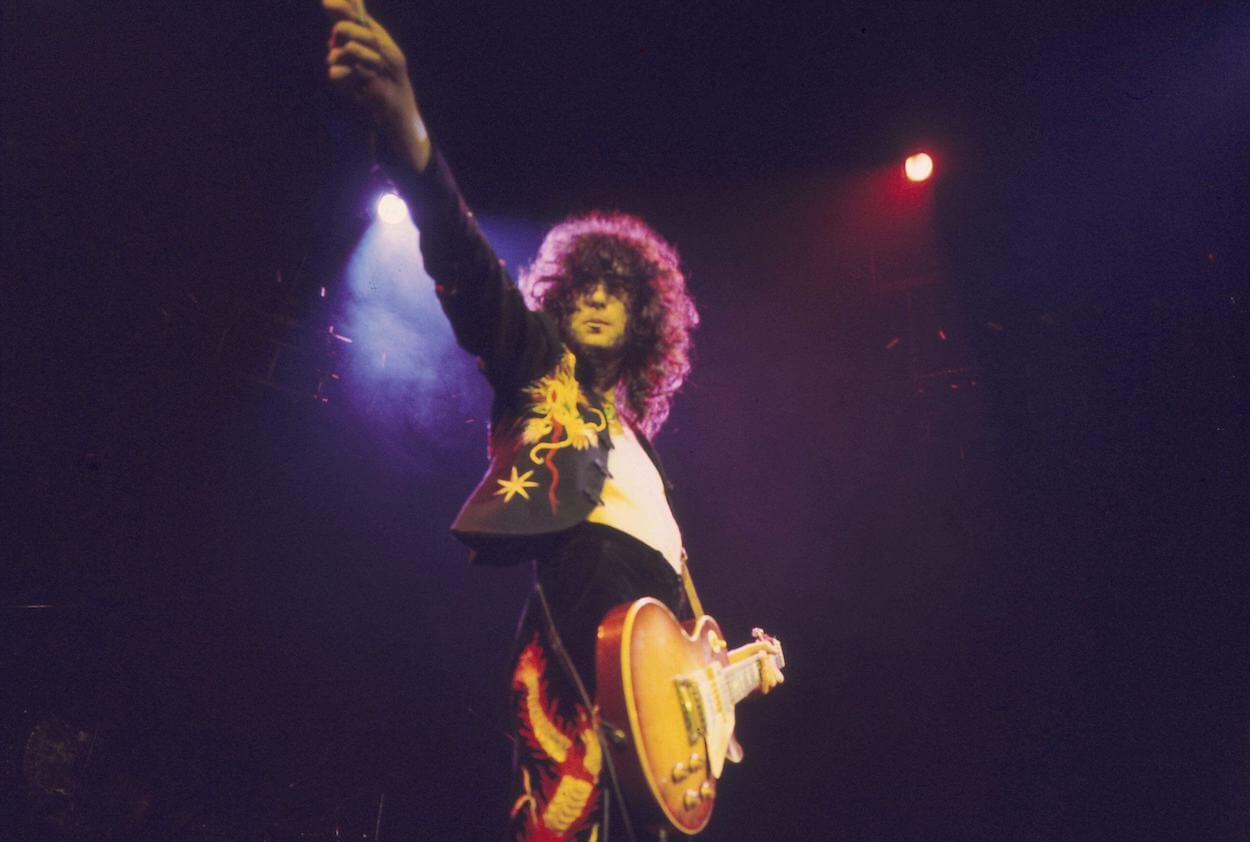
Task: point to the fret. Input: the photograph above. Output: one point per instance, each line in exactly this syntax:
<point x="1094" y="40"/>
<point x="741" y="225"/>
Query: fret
<point x="742" y="678"/>
<point x="734" y="682"/>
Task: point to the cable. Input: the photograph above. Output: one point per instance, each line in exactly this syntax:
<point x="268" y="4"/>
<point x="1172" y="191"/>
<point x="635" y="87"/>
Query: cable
<point x="557" y="646"/>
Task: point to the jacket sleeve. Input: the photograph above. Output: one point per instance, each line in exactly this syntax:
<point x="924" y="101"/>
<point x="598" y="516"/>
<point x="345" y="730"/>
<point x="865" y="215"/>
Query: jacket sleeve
<point x="486" y="310"/>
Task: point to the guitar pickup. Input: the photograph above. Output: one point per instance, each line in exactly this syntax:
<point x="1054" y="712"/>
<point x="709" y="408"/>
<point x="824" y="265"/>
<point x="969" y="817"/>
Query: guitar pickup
<point x="691" y="701"/>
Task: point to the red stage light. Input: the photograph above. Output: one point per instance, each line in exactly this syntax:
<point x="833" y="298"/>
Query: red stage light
<point x="918" y="167"/>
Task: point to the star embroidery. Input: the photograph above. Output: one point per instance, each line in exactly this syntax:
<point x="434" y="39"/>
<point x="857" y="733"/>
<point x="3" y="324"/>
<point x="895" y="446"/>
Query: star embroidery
<point x="515" y="485"/>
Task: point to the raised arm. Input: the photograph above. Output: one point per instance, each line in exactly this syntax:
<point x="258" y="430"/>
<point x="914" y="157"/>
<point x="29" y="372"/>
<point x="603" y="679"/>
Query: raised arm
<point x="369" y="68"/>
<point x="482" y="303"/>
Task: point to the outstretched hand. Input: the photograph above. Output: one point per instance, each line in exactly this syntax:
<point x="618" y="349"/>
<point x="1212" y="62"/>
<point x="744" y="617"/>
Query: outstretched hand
<point x="370" y="69"/>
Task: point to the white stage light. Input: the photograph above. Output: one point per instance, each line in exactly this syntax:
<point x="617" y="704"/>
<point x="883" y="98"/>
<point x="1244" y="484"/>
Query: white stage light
<point x="392" y="209"/>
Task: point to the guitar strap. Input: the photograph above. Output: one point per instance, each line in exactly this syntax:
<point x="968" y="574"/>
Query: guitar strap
<point x="735" y="748"/>
<point x="691" y="594"/>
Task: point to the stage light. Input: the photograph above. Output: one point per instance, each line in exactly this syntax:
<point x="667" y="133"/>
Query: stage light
<point x="918" y="167"/>
<point x="392" y="209"/>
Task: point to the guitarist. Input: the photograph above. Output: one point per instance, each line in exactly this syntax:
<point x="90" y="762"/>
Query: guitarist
<point x="584" y="356"/>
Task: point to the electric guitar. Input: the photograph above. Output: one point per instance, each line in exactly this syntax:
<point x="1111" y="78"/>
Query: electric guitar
<point x="666" y="693"/>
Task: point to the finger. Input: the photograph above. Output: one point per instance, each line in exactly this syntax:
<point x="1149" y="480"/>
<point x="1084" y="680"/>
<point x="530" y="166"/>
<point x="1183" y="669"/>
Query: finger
<point x="346" y="30"/>
<point x="349" y="75"/>
<point x="340" y="9"/>
<point x="355" y="54"/>
<point x="345" y="10"/>
<point x="353" y="82"/>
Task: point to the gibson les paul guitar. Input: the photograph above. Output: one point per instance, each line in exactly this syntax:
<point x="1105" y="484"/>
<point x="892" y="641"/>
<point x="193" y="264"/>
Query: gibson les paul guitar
<point x="669" y="691"/>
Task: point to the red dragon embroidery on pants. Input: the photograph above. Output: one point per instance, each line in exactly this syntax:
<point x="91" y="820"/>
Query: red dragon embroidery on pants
<point x="568" y="756"/>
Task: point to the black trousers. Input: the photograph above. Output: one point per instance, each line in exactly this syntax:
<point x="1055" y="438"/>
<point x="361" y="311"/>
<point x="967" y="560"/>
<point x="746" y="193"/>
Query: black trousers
<point x="560" y="776"/>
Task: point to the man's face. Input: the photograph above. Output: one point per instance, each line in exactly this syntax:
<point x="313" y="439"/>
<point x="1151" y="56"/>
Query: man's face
<point x="599" y="318"/>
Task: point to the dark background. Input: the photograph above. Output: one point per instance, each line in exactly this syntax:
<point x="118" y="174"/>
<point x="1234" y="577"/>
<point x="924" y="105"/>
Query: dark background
<point x="1008" y="565"/>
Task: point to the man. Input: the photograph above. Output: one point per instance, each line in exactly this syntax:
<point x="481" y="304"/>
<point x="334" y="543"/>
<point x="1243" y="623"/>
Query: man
<point x="584" y="359"/>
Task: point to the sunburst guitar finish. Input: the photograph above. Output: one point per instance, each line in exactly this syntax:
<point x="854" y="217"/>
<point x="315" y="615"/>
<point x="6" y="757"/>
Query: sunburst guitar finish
<point x="668" y="690"/>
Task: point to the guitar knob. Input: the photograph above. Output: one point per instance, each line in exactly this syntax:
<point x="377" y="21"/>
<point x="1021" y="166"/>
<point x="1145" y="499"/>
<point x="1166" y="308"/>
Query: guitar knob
<point x="691" y="799"/>
<point x="680" y="772"/>
<point x="695" y="763"/>
<point x="707" y="790"/>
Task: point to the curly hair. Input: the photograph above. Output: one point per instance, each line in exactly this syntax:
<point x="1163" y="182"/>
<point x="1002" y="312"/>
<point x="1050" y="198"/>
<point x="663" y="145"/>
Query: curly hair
<point x="627" y="255"/>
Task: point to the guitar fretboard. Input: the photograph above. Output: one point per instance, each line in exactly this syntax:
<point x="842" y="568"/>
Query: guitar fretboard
<point x="743" y="677"/>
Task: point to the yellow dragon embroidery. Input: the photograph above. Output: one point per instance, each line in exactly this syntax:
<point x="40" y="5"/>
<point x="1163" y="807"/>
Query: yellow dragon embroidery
<point x="555" y="423"/>
<point x="556" y="399"/>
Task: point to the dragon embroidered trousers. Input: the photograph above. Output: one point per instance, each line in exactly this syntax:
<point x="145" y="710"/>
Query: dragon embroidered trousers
<point x="559" y="776"/>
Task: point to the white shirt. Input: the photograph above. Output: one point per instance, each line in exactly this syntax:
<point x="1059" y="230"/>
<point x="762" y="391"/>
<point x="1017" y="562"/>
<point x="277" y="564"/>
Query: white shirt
<point x="633" y="498"/>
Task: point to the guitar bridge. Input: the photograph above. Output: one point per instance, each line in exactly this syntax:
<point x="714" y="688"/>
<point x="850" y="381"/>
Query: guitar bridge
<point x="691" y="701"/>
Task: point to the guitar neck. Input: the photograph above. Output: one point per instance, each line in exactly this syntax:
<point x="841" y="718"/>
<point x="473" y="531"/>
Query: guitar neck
<point x="742" y="678"/>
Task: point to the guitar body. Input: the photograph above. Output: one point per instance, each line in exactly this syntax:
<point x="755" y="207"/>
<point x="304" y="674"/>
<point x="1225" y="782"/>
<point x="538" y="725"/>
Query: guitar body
<point x="655" y="680"/>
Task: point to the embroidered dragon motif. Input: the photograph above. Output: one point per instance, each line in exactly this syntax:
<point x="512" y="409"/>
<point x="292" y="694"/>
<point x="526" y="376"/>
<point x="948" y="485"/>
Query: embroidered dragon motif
<point x="571" y="756"/>
<point x="556" y="422"/>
